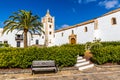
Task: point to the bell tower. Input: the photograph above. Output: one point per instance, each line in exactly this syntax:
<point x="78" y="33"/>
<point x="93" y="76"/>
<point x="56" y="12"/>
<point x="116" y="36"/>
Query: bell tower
<point x="48" y="27"/>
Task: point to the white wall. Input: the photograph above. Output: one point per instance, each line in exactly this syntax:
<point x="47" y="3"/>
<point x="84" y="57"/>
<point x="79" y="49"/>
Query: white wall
<point x="106" y="31"/>
<point x="10" y="37"/>
<point x="37" y="37"/>
<point x="82" y="37"/>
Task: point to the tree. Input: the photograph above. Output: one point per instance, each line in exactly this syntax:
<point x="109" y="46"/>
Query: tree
<point x="25" y="21"/>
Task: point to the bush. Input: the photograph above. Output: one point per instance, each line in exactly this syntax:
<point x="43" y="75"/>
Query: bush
<point x="4" y="45"/>
<point x="112" y="43"/>
<point x="64" y="55"/>
<point x="108" y="54"/>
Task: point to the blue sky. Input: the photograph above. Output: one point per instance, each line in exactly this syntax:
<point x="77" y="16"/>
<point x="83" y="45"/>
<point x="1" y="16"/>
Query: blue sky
<point x="66" y="12"/>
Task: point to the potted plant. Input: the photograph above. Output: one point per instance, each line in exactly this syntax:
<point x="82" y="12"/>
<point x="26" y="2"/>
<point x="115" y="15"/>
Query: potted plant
<point x="88" y="55"/>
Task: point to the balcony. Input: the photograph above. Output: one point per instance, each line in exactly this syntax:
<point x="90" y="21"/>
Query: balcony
<point x="19" y="37"/>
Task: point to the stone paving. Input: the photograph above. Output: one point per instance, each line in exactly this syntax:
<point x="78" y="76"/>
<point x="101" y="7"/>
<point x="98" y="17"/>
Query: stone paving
<point x="96" y="73"/>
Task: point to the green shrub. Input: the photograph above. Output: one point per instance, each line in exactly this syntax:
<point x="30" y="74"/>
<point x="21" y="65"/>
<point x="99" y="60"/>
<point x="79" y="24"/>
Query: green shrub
<point x="106" y="54"/>
<point x="65" y="55"/>
<point x="4" y="45"/>
<point x="112" y="43"/>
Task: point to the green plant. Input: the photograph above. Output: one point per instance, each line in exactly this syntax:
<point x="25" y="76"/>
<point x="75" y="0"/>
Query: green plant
<point x="4" y="45"/>
<point x="64" y="55"/>
<point x="106" y="54"/>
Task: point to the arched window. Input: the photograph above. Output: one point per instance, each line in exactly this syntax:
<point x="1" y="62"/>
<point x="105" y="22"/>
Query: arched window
<point x="113" y="20"/>
<point x="50" y="20"/>
<point x="50" y="33"/>
<point x="50" y="26"/>
<point x="85" y="29"/>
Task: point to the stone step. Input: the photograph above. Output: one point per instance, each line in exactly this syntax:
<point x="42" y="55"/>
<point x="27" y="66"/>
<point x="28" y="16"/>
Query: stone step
<point x="85" y="67"/>
<point x="80" y="57"/>
<point x="82" y="63"/>
<point x="81" y="60"/>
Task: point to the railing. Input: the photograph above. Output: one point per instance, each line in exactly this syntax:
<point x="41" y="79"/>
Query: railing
<point x="19" y="38"/>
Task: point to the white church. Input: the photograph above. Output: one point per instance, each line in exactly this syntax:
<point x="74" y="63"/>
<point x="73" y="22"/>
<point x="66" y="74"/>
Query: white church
<point x="104" y="28"/>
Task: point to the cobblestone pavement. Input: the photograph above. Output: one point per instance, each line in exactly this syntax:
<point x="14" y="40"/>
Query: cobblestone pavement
<point x="95" y="73"/>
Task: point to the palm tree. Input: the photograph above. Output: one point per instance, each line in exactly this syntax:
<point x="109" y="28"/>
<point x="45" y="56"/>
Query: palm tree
<point x="25" y="21"/>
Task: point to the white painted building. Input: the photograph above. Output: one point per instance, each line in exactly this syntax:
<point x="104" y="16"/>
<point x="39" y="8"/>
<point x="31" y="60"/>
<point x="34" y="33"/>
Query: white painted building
<point x="105" y="28"/>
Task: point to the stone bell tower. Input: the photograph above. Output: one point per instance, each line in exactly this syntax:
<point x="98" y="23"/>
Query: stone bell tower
<point x="48" y="26"/>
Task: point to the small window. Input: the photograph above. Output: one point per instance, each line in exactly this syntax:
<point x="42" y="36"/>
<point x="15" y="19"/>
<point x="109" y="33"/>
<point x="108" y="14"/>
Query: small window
<point x="50" y="20"/>
<point x="50" y="32"/>
<point x="5" y="42"/>
<point x="42" y="37"/>
<point x="72" y="31"/>
<point x="50" y="26"/>
<point x="62" y="34"/>
<point x="18" y="43"/>
<point x="114" y="21"/>
<point x="37" y="42"/>
<point x="96" y="25"/>
<point x="85" y="29"/>
<point x="19" y="37"/>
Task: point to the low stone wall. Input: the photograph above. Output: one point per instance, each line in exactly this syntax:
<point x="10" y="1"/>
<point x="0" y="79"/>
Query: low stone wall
<point x="21" y="71"/>
<point x="14" y="71"/>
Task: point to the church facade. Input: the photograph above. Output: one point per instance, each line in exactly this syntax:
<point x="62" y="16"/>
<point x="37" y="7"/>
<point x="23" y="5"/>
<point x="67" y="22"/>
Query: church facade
<point x="104" y="28"/>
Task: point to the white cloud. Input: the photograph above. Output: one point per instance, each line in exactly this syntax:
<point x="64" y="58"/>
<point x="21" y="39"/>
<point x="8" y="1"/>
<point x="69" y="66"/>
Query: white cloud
<point x="56" y="27"/>
<point x="64" y="25"/>
<point x="86" y="1"/>
<point x="110" y="4"/>
<point x="73" y="9"/>
<point x="79" y="1"/>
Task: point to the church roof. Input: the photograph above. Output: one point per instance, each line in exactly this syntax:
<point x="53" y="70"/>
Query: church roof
<point x="87" y="22"/>
<point x="111" y="12"/>
<point x="77" y="25"/>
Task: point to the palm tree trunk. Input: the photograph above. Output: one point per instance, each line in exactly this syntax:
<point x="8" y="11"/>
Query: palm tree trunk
<point x="25" y="38"/>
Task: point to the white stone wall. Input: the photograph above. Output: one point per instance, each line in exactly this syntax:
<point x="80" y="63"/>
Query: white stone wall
<point x="106" y="31"/>
<point x="37" y="37"/>
<point x="82" y="36"/>
<point x="10" y="37"/>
